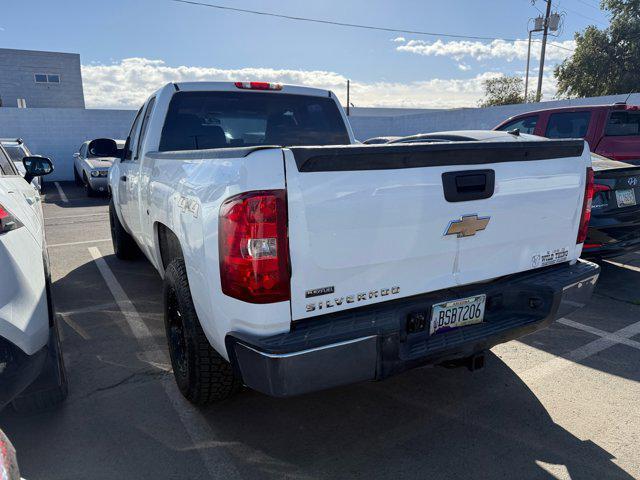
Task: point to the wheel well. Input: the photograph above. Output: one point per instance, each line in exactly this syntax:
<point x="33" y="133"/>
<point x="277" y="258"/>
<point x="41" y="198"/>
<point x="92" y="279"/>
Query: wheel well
<point x="168" y="244"/>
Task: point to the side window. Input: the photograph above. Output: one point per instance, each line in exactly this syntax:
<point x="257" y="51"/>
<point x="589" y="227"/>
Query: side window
<point x="131" y="141"/>
<point x="568" y="125"/>
<point x="623" y="124"/>
<point x="145" y="126"/>
<point x="6" y="165"/>
<point x="83" y="150"/>
<point x="525" y="124"/>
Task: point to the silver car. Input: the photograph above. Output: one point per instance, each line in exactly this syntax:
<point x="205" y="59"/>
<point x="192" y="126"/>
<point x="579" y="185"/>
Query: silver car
<point x="92" y="171"/>
<point x="17" y="150"/>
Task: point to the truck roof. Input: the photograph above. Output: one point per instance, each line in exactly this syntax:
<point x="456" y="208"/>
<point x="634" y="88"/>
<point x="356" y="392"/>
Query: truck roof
<point x="231" y="86"/>
<point x="573" y="108"/>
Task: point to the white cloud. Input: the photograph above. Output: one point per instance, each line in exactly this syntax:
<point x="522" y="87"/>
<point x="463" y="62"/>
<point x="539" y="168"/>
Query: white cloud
<point x="399" y="39"/>
<point x="496" y="49"/>
<point x="464" y="67"/>
<point x="127" y="83"/>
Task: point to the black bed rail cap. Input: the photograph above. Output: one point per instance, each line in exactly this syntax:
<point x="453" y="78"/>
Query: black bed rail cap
<point x="389" y="157"/>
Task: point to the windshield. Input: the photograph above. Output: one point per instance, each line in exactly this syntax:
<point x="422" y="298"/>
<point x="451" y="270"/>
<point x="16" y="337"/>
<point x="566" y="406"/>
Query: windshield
<point x="119" y="144"/>
<point x="198" y="120"/>
<point x="16" y="152"/>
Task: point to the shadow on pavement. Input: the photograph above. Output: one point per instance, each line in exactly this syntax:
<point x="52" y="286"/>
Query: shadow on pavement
<point x="76" y="196"/>
<point x="432" y="423"/>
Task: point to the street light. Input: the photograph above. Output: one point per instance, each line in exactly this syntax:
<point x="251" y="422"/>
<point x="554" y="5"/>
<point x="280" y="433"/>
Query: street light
<point x="538" y="26"/>
<point x="553" y="23"/>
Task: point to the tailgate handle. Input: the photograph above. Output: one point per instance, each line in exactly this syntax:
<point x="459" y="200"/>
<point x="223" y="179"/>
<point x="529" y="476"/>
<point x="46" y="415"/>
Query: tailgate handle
<point x="463" y="186"/>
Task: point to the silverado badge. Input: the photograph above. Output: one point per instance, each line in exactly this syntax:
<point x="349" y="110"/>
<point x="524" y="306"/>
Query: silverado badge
<point x="467" y="226"/>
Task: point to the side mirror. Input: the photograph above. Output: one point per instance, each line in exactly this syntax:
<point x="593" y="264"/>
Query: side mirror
<point x="36" y="167"/>
<point x="76" y="155"/>
<point x="103" y="147"/>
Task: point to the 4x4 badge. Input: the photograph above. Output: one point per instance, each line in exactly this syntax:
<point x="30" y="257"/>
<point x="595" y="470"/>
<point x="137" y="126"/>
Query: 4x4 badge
<point x="467" y="226"/>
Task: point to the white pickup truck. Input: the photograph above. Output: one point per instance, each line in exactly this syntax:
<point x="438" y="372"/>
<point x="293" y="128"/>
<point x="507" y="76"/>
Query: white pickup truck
<point x="295" y="259"/>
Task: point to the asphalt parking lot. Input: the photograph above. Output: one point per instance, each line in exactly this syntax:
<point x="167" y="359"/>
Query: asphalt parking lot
<point x="561" y="403"/>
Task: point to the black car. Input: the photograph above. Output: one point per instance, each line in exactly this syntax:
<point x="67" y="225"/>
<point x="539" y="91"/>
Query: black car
<point x="614" y="228"/>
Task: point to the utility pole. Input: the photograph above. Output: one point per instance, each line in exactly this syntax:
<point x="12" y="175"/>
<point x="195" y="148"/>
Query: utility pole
<point x="526" y="78"/>
<point x="542" y="52"/>
<point x="348" y="100"/>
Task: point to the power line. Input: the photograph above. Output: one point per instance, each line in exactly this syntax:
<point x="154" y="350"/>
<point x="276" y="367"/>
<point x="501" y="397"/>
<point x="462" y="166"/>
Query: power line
<point x="589" y="4"/>
<point x="599" y="22"/>
<point x="350" y="25"/>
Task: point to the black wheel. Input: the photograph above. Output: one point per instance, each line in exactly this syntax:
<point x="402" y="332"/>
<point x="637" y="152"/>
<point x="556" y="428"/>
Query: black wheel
<point x="77" y="177"/>
<point x="201" y="373"/>
<point x="124" y="246"/>
<point x="87" y="187"/>
<point x="51" y="388"/>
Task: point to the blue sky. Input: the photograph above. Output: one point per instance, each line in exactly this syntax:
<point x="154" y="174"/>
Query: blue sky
<point x="213" y="44"/>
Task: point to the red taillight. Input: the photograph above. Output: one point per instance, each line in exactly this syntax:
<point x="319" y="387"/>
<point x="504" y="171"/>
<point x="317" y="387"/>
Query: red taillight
<point x="7" y="221"/>
<point x="599" y="187"/>
<point x="258" y="85"/>
<point x="254" y="248"/>
<point x="591" y="245"/>
<point x="586" y="207"/>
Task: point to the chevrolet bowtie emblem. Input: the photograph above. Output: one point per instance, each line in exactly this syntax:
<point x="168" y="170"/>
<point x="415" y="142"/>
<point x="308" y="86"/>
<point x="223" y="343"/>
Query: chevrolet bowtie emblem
<point x="467" y="226"/>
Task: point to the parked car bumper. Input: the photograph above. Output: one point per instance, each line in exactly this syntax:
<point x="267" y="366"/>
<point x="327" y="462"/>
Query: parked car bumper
<point x="18" y="370"/>
<point x="99" y="184"/>
<point x="371" y="343"/>
<point x="613" y="235"/>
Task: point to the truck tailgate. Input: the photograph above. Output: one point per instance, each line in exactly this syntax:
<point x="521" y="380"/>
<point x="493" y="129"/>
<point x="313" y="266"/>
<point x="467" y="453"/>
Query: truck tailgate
<point x="374" y="223"/>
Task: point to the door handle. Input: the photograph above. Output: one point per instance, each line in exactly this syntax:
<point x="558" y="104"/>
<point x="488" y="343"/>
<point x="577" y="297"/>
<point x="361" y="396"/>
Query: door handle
<point x="123" y="178"/>
<point x="468" y="185"/>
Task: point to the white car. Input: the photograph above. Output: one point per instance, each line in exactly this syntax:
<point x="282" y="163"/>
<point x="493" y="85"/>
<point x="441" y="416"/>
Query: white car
<point x="32" y="372"/>
<point x="91" y="170"/>
<point x="17" y="150"/>
<point x="295" y="260"/>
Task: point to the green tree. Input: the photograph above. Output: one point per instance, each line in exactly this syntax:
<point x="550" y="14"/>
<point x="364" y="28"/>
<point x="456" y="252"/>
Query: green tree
<point x="606" y="61"/>
<point x="503" y="90"/>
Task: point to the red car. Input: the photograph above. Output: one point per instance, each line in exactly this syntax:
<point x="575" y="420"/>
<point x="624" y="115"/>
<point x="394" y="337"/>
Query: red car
<point x="612" y="131"/>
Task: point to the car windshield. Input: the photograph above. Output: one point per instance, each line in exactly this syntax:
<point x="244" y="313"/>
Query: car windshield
<point x="16" y="152"/>
<point x="199" y="120"/>
<point x="119" y="144"/>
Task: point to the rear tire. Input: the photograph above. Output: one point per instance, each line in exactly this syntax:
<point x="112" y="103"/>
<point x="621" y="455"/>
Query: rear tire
<point x="36" y="398"/>
<point x="202" y="374"/>
<point x="124" y="246"/>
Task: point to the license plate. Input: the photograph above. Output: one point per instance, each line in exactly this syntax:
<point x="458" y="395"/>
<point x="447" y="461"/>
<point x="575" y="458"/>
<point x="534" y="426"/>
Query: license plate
<point x="457" y="313"/>
<point x="626" y="198"/>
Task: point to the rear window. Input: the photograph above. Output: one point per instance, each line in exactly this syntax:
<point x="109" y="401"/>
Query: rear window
<point x="622" y="124"/>
<point x="568" y="125"/>
<point x="198" y="120"/>
<point x="525" y="125"/>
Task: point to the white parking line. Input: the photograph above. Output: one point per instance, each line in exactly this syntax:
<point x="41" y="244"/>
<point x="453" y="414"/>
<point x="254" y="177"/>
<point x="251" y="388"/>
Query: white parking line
<point x="568" y="360"/>
<point x="75" y="326"/>
<point x="100" y="240"/>
<point x="63" y="197"/>
<point x="61" y="217"/>
<point x="217" y="462"/>
<point x="623" y="265"/>
<point x="600" y="333"/>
